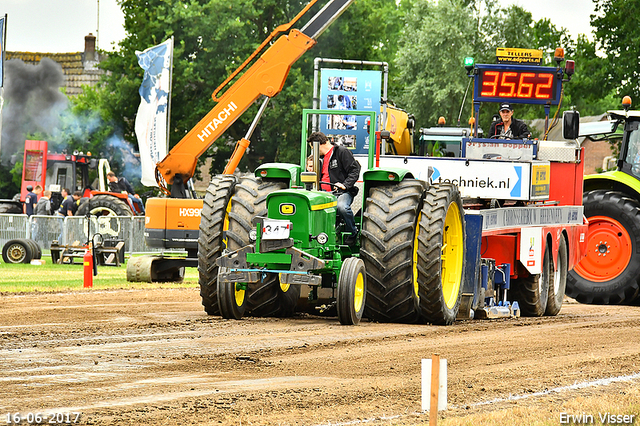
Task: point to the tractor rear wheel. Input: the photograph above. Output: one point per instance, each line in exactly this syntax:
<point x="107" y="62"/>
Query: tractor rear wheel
<point x="104" y="205"/>
<point x="558" y="280"/>
<point x="532" y="292"/>
<point x="214" y="221"/>
<point x="11" y="208"/>
<point x="388" y="250"/>
<point x="352" y="291"/>
<point x="610" y="272"/>
<point x="250" y="200"/>
<point x="439" y="263"/>
<point x="17" y="251"/>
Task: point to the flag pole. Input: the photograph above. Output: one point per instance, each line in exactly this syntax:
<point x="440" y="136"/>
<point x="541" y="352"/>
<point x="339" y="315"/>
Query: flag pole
<point x="170" y="90"/>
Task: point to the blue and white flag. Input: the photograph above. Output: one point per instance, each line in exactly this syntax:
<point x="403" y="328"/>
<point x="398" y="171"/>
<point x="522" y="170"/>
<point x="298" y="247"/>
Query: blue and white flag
<point x="152" y="118"/>
<point x="2" y="26"/>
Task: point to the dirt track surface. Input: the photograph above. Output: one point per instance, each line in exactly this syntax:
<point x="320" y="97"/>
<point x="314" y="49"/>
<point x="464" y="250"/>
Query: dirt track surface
<point x="155" y="357"/>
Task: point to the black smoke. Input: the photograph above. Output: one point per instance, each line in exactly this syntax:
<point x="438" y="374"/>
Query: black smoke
<point x="33" y="103"/>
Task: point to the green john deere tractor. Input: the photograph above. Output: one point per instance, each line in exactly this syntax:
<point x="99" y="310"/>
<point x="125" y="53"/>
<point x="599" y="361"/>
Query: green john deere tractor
<point x="407" y="264"/>
<point x="610" y="272"/>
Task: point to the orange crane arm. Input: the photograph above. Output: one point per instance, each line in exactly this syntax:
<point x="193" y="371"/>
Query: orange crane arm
<point x="265" y="77"/>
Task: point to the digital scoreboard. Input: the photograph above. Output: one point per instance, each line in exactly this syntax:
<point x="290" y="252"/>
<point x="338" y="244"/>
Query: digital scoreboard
<point x="517" y="84"/>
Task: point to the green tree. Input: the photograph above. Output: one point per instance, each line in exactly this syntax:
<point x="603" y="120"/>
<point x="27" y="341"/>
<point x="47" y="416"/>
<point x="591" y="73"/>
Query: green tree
<point x="212" y="38"/>
<point x="618" y="35"/>
<point x="438" y="36"/>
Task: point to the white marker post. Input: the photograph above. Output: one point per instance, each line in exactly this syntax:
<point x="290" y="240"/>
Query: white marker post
<point x="434" y="386"/>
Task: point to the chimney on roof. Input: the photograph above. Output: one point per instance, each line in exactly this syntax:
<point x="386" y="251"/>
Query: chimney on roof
<point x="90" y="47"/>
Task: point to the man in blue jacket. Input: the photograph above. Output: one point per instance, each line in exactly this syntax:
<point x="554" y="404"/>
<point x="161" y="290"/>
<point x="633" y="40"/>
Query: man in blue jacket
<point x="30" y="201"/>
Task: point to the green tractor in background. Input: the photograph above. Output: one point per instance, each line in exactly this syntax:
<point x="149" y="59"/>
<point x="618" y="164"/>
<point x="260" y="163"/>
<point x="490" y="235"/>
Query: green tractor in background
<point x="610" y="272"/>
<point x="407" y="264"/>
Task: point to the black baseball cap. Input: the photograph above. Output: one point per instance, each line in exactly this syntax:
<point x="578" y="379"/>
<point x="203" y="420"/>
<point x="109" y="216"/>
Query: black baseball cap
<point x="506" y="105"/>
<point x="29" y="188"/>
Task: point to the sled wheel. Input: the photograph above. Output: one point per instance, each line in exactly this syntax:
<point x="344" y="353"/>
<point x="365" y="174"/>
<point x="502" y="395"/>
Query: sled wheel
<point x="558" y="280"/>
<point x="352" y="291"/>
<point x="532" y="292"/>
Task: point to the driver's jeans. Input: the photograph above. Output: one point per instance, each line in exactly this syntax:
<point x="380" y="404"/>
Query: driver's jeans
<point x="344" y="210"/>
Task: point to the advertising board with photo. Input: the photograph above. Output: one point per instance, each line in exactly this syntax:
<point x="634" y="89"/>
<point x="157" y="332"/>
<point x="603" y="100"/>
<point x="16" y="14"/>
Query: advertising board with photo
<point x="349" y="90"/>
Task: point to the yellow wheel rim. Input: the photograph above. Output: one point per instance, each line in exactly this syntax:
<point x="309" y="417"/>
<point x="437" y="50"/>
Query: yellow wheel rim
<point x="358" y="296"/>
<point x="225" y="223"/>
<point x="452" y="255"/>
<point x="415" y="255"/>
<point x="239" y="293"/>
<point x="283" y="287"/>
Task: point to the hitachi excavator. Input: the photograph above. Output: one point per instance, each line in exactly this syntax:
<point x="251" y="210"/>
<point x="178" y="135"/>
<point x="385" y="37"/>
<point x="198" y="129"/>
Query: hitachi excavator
<point x="201" y="226"/>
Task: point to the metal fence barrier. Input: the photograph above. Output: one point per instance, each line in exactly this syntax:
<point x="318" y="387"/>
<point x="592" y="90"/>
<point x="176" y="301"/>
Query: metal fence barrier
<point x="76" y="230"/>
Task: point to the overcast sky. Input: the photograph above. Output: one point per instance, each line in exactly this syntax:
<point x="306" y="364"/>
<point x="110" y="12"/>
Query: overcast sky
<point x="56" y="26"/>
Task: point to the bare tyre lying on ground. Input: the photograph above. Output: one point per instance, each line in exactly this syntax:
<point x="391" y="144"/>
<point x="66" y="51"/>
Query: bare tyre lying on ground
<point x="439" y="258"/>
<point x="265" y="298"/>
<point x="17" y="251"/>
<point x="153" y="269"/>
<point x="211" y="241"/>
<point x="352" y="291"/>
<point x="388" y="239"/>
<point x="532" y="292"/>
<point x="104" y="205"/>
<point x="35" y="248"/>
<point x="609" y="274"/>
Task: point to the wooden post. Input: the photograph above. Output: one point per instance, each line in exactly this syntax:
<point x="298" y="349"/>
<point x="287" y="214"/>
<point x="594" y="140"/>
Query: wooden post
<point x="435" y="386"/>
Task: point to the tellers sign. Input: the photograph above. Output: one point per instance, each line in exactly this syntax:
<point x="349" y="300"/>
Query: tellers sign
<point x="518" y="84"/>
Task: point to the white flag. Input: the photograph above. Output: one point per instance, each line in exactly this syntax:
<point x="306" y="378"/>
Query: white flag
<point x="151" y="121"/>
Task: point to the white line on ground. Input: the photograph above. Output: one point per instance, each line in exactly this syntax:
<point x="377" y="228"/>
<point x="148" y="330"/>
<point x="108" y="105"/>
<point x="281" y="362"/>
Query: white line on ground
<point x="561" y="389"/>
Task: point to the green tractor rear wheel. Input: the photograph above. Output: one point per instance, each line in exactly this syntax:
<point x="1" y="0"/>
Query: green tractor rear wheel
<point x="214" y="222"/>
<point x="265" y="298"/>
<point x="388" y="247"/>
<point x="352" y="291"/>
<point x="439" y="264"/>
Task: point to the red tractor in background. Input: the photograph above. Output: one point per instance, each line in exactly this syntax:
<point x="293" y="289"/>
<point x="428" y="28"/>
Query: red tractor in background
<point x="72" y="171"/>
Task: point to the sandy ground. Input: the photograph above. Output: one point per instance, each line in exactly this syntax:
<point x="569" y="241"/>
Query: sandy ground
<point x="155" y="357"/>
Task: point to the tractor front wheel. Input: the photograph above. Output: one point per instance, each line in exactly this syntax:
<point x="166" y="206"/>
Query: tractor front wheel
<point x="610" y="272"/>
<point x="232" y="300"/>
<point x="352" y="291"/>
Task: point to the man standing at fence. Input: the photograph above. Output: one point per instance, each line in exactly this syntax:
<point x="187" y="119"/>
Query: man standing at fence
<point x="123" y="186"/>
<point x="66" y="208"/>
<point x="30" y="201"/>
<point x="43" y="208"/>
